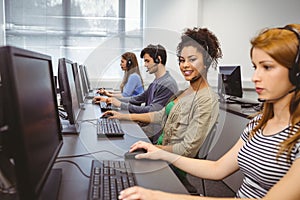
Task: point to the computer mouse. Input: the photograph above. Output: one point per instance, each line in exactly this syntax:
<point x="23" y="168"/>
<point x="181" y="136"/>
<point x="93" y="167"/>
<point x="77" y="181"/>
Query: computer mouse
<point x="107" y="115"/>
<point x="131" y="155"/>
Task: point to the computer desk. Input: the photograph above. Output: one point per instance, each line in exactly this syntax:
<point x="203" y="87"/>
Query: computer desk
<point x="150" y="174"/>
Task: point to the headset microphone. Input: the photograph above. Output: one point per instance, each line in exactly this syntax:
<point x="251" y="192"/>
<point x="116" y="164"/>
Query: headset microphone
<point x="275" y="99"/>
<point x="155" y="64"/>
<point x="195" y="78"/>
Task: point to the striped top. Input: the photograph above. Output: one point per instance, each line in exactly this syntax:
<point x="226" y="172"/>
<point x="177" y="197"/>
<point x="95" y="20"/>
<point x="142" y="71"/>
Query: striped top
<point x="257" y="160"/>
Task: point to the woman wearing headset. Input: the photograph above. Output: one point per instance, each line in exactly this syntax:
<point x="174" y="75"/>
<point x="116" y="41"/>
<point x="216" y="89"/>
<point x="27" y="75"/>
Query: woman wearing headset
<point x="190" y="114"/>
<point x="268" y="150"/>
<point x="132" y="83"/>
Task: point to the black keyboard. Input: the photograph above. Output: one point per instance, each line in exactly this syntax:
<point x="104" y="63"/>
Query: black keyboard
<point x="104" y="106"/>
<point x="109" y="178"/>
<point x="109" y="128"/>
<point x="238" y="100"/>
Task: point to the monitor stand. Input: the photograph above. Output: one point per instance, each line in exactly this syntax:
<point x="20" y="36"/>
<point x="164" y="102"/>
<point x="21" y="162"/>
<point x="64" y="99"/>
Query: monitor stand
<point x="50" y="190"/>
<point x="68" y="128"/>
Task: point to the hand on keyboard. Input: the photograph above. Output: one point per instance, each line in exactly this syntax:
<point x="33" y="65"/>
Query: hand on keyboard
<point x="109" y="178"/>
<point x="98" y="99"/>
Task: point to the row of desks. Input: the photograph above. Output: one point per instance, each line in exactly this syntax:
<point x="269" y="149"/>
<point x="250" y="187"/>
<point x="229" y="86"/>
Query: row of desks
<point x="74" y="185"/>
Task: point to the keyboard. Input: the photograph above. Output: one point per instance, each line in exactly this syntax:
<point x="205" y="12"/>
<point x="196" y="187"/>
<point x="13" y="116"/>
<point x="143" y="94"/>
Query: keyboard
<point x="238" y="100"/>
<point x="109" y="128"/>
<point x="104" y="106"/>
<point x="108" y="178"/>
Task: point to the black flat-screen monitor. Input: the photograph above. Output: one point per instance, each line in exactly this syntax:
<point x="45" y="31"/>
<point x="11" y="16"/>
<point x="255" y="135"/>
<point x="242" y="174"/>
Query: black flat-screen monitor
<point x="31" y="140"/>
<point x="68" y="94"/>
<point x="1" y="105"/>
<point x="229" y="82"/>
<point x="87" y="78"/>
<point x="78" y="83"/>
<point x="84" y="81"/>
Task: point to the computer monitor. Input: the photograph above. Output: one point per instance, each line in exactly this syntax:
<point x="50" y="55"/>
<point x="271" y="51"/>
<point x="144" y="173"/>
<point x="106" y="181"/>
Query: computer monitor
<point x="56" y="84"/>
<point x="31" y="140"/>
<point x="78" y="84"/>
<point x="68" y="94"/>
<point x="1" y="105"/>
<point x="84" y="81"/>
<point x="229" y="82"/>
<point x="87" y="79"/>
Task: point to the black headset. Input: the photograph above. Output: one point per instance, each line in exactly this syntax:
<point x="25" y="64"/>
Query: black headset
<point x="294" y="72"/>
<point x="156" y="59"/>
<point x="128" y="63"/>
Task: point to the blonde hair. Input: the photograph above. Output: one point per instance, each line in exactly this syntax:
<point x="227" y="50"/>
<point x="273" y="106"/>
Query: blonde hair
<point x="282" y="45"/>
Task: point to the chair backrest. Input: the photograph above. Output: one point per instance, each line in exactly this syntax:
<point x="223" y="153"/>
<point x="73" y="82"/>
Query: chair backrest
<point x="209" y="142"/>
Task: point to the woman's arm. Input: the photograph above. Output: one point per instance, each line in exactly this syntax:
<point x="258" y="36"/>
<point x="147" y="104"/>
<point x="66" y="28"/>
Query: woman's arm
<point x="214" y="170"/>
<point x="287" y="188"/>
<point x="116" y="94"/>
<point x="111" y="93"/>
<point x="142" y="117"/>
<point x="226" y="165"/>
<point x="139" y="193"/>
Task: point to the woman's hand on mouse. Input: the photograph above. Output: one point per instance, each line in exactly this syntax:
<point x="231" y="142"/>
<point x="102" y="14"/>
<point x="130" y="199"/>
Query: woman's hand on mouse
<point x="109" y="114"/>
<point x="115" y="115"/>
<point x="153" y="152"/>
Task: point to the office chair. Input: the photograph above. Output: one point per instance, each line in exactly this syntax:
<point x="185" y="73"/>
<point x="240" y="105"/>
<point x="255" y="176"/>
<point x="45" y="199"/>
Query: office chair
<point x="206" y="147"/>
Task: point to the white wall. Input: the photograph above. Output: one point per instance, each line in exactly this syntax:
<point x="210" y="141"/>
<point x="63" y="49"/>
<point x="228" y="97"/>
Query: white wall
<point x="235" y="22"/>
<point x="165" y="20"/>
<point x="164" y="23"/>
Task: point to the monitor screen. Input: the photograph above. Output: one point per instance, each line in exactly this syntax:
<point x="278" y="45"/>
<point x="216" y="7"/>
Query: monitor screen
<point x="84" y="81"/>
<point x="78" y="84"/>
<point x="229" y="81"/>
<point x="33" y="138"/>
<point x="87" y="78"/>
<point x="68" y="91"/>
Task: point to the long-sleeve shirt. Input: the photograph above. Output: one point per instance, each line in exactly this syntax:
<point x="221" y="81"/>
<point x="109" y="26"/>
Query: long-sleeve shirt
<point x="134" y="86"/>
<point x="154" y="98"/>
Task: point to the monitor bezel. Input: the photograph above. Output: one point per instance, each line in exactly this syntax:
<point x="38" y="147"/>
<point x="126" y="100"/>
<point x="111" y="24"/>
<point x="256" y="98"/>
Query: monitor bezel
<point x="65" y="91"/>
<point x="13" y="137"/>
<point x="78" y="83"/>
<point x="234" y="88"/>
<point x="85" y="88"/>
<point x="87" y="78"/>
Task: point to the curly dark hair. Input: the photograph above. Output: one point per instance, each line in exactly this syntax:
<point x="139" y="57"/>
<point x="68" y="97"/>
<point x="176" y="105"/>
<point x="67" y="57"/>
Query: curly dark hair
<point x="205" y="42"/>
